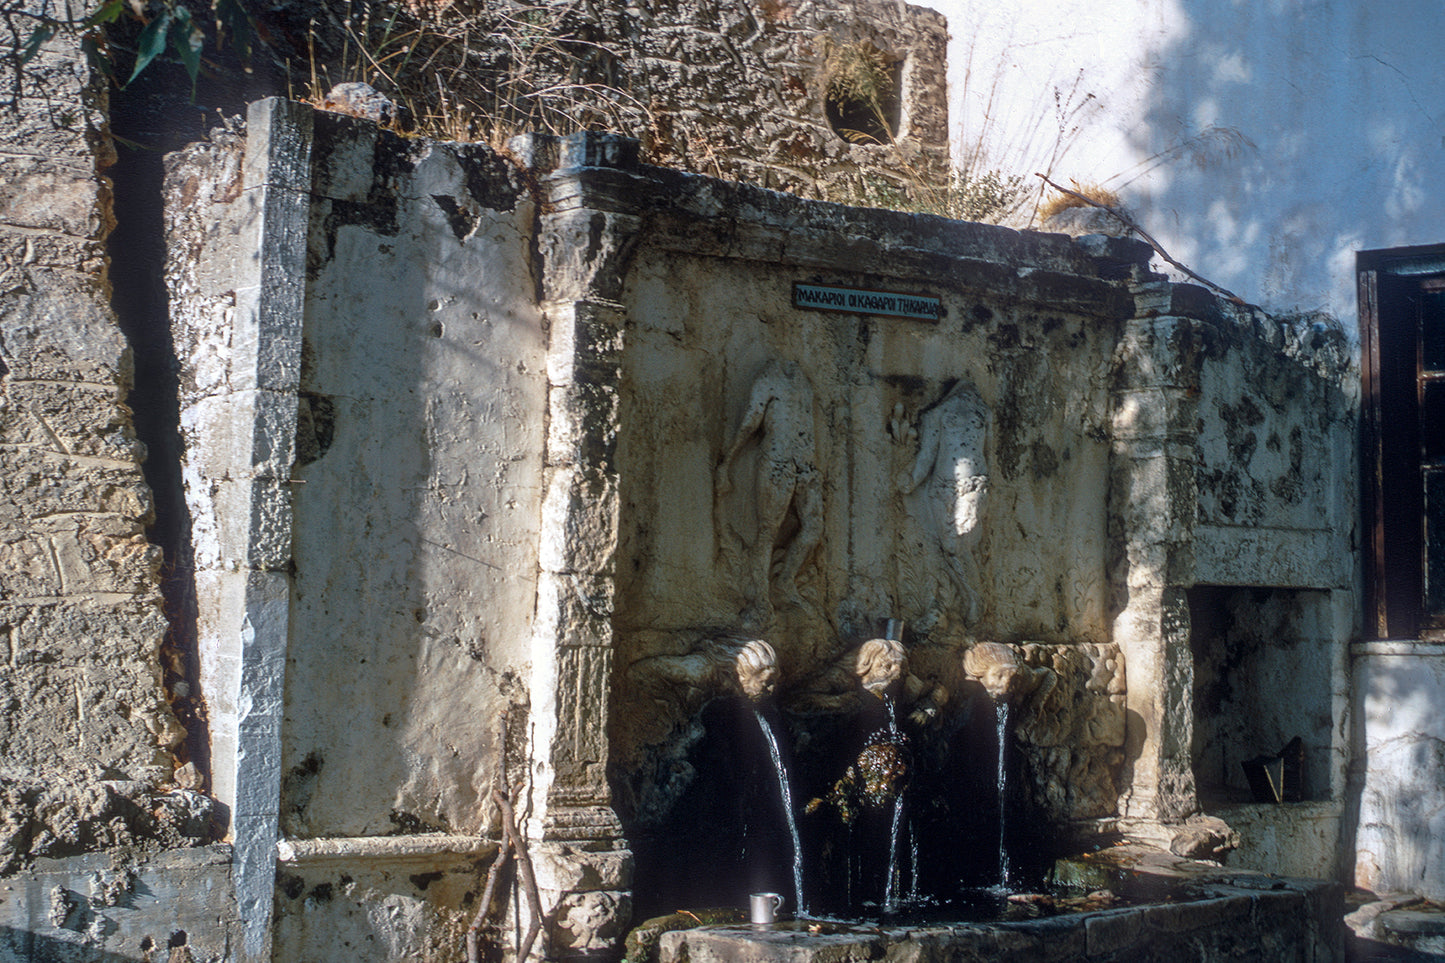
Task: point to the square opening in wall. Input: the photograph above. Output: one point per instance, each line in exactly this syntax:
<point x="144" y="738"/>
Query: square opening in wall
<point x="1262" y="694"/>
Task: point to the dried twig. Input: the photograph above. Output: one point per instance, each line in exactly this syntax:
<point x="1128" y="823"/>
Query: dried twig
<point x="526" y="877"/>
<point x="474" y="932"/>
<point x="1145" y="236"/>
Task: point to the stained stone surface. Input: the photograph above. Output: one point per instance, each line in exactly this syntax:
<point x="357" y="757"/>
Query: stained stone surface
<point x="468" y="445"/>
<point x="86" y="732"/>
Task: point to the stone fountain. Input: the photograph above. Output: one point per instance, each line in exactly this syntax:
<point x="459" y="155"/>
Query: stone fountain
<point x="645" y="462"/>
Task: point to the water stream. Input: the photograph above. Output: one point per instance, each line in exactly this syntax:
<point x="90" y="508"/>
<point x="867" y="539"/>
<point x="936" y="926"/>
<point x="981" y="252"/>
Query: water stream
<point x="890" y="898"/>
<point x="1001" y="724"/>
<point x="890" y="884"/>
<point x="787" y="797"/>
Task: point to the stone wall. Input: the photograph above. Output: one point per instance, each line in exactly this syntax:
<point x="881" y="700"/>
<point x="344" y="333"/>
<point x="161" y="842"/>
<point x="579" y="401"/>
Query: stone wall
<point x="475" y="441"/>
<point x="742" y="93"/>
<point x="89" y="784"/>
<point x="727" y="88"/>
<point x="1224" y="480"/>
<point x="537" y="434"/>
<point x="86" y="734"/>
<point x="365" y="497"/>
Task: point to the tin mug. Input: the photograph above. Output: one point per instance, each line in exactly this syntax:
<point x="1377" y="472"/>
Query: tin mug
<point x="763" y="907"/>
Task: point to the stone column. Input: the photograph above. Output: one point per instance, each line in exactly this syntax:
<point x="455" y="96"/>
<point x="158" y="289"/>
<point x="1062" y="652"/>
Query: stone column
<point x="1151" y="520"/>
<point x="240" y="383"/>
<point x="586" y="238"/>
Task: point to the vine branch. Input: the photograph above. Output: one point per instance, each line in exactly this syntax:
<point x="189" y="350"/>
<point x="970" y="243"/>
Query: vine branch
<point x="1144" y="235"/>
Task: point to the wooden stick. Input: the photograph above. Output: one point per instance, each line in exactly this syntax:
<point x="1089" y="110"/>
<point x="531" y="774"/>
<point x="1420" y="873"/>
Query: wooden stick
<point x="474" y="932"/>
<point x="528" y="879"/>
<point x="1145" y="236"/>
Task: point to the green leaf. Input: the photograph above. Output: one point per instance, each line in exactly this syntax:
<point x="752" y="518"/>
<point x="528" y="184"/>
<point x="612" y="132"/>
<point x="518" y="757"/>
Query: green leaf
<point x="235" y="21"/>
<point x="97" y="58"/>
<point x="108" y="12"/>
<point x="152" y="42"/>
<point x="187" y="39"/>
<point x="38" y="36"/>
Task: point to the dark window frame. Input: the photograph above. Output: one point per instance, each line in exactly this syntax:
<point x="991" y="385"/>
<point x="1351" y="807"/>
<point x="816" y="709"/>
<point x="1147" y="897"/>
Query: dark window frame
<point x="1392" y="459"/>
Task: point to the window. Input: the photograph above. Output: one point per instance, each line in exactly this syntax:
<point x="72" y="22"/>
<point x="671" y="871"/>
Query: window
<point x="1402" y="336"/>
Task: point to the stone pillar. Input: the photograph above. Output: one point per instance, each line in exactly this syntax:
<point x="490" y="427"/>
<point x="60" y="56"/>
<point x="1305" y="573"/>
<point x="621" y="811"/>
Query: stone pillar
<point x="1151" y="519"/>
<point x="586" y="238"/>
<point x="240" y="383"/>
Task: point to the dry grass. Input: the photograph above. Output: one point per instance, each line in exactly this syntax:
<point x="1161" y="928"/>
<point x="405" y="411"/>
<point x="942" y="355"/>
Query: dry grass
<point x="1059" y="201"/>
<point x="477" y="75"/>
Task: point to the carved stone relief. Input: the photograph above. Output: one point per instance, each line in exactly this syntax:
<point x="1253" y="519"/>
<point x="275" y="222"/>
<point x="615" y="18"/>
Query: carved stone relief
<point x="588" y="922"/>
<point x="1071" y="725"/>
<point x="946" y="491"/>
<point x="769" y="524"/>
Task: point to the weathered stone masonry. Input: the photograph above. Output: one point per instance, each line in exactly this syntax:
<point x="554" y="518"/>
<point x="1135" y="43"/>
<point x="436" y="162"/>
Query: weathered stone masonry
<point x="452" y="422"/>
<point x="87" y="737"/>
<point x="79" y="584"/>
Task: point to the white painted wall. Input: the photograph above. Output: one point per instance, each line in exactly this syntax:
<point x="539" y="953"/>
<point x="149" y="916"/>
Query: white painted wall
<point x="1263" y="142"/>
<point x="1400" y="705"/>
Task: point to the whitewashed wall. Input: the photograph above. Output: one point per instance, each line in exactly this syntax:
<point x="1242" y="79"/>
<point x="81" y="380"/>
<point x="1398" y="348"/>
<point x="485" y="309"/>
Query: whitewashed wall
<point x="1400" y="703"/>
<point x="1262" y="143"/>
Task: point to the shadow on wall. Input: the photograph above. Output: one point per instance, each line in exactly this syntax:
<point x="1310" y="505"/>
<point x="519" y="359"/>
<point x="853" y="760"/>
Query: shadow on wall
<point x="1272" y="210"/>
<point x="1400" y="713"/>
<point x="35" y="948"/>
<point x="403" y="337"/>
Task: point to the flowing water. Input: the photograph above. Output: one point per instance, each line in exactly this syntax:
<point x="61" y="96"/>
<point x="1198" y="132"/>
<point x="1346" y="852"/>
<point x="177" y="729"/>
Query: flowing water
<point x="1001" y="724"/>
<point x="890" y="885"/>
<point x="787" y="796"/>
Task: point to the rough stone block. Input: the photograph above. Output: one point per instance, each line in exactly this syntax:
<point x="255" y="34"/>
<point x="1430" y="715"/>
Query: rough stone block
<point x="278" y="144"/>
<point x="72" y="419"/>
<point x="266" y="331"/>
<point x="1160" y="352"/>
<point x="586" y="252"/>
<point x="182" y="898"/>
<point x="583" y="425"/>
<point x="66" y="335"/>
<point x="579" y="522"/>
<point x="1153" y="413"/>
<point x="575" y="610"/>
<point x="585" y="342"/>
<point x="36" y="197"/>
<point x="593" y="149"/>
<point x="565" y="868"/>
<point x="345" y="158"/>
<point x="583" y="675"/>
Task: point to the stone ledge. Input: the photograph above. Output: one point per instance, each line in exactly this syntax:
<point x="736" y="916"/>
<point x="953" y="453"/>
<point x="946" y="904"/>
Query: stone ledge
<point x="1398" y="647"/>
<point x="1209" y="913"/>
<point x="340" y="849"/>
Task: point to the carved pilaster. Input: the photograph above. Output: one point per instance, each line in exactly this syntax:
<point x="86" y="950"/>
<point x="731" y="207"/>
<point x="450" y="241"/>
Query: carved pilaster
<point x="585" y="243"/>
<point x="1153" y="503"/>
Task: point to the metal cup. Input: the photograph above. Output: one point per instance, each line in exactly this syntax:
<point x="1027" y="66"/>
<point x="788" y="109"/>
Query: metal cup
<point x="763" y="907"/>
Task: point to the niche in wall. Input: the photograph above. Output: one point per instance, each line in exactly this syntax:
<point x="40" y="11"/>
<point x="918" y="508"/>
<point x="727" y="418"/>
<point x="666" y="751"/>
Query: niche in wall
<point x="1262" y="668"/>
<point x="864" y="102"/>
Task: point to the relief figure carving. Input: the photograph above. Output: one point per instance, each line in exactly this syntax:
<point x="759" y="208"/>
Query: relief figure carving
<point x="778" y="424"/>
<point x="950" y="476"/>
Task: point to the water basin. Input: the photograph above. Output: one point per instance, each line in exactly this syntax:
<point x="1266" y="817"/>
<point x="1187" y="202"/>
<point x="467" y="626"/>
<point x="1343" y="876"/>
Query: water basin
<point x="1167" y="908"/>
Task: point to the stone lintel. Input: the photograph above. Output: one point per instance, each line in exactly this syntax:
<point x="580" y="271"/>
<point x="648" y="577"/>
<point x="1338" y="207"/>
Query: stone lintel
<point x="1279" y="557"/>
